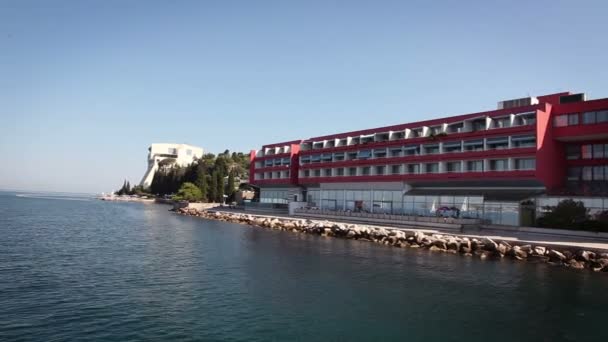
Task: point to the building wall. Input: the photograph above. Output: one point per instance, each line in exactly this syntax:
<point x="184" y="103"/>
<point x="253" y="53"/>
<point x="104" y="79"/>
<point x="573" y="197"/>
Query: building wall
<point x="182" y="154"/>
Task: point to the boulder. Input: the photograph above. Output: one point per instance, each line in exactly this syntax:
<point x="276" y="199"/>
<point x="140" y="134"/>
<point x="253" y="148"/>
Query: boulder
<point x="583" y="255"/>
<point x="519" y="253"/>
<point x="540" y="250"/>
<point x="575" y="264"/>
<point x="599" y="264"/>
<point x="490" y="245"/>
<point x="556" y="255"/>
<point x="526" y="248"/>
<point x="440" y="243"/>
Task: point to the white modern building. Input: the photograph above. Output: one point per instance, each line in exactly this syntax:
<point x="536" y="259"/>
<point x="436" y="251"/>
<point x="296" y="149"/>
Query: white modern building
<point x="165" y="154"/>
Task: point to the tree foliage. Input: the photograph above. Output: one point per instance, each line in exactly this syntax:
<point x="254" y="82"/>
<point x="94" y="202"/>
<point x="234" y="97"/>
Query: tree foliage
<point x="188" y="192"/>
<point x="207" y="173"/>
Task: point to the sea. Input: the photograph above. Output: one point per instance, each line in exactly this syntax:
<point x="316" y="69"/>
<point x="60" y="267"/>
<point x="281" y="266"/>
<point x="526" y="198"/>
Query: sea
<point x="73" y="268"/>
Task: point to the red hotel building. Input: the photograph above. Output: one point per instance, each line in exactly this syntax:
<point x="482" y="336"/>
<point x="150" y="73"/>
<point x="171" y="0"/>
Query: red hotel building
<point x="485" y="164"/>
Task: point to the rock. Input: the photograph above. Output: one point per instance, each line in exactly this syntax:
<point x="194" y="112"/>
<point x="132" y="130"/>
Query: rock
<point x="526" y="248"/>
<point x="585" y="256"/>
<point x="519" y="253"/>
<point x="540" y="250"/>
<point x="556" y="255"/>
<point x="439" y="243"/>
<point x="503" y="248"/>
<point x="537" y="258"/>
<point x="351" y="234"/>
<point x="436" y="249"/>
<point x="453" y="244"/>
<point x="575" y="264"/>
<point x="599" y="265"/>
<point x="490" y="245"/>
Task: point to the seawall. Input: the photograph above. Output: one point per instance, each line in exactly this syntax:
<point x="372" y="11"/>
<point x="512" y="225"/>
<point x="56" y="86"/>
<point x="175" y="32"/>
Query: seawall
<point x="484" y="248"/>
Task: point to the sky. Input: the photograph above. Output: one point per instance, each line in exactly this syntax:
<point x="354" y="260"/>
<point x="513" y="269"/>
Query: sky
<point x="87" y="86"/>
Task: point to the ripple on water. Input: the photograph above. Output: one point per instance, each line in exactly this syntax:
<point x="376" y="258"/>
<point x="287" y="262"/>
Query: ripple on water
<point x="90" y="270"/>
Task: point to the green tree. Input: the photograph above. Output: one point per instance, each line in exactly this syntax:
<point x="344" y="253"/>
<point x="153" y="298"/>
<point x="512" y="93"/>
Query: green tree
<point x="220" y="187"/>
<point x="568" y="214"/>
<point x="201" y="180"/>
<point x="188" y="192"/>
<point x="230" y="185"/>
<point x="212" y="195"/>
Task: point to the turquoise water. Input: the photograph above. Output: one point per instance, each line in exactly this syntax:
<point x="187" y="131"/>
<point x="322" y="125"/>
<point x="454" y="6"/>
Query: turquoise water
<point x="74" y="269"/>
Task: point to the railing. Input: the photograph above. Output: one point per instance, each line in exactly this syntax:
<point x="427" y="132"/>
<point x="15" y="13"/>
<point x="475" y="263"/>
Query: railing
<point x="392" y="217"/>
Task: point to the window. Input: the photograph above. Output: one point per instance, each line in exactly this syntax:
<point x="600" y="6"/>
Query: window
<point x="565" y="120"/>
<point x="431" y="168"/>
<point x="286" y="161"/>
<point x="473" y="145"/>
<point x="365" y="170"/>
<point x="413" y="168"/>
<point x="478" y="125"/>
<point x="413" y="150"/>
<point x="502" y="122"/>
<point x="455" y="127"/>
<point x="573" y="152"/>
<point x="587" y="173"/>
<point x="525" y="164"/>
<point x="396" y="151"/>
<point x="395" y="169"/>
<point x="277" y="162"/>
<point x="475" y="165"/>
<point x="497" y="143"/>
<point x="560" y="121"/>
<point x="453" y="166"/>
<point x="499" y="165"/>
<point x="435" y="130"/>
<point x="380" y="170"/>
<point x="598" y="151"/>
<point x="352" y="171"/>
<point x="588" y="118"/>
<point x="574" y="174"/>
<point x="572" y="119"/>
<point x="340" y="171"/>
<point x="339" y="156"/>
<point x="268" y="162"/>
<point x="587" y="151"/>
<point x="171" y="150"/>
<point x="327" y="172"/>
<point x="305" y="159"/>
<point x="524" y="141"/>
<point x="364" y="154"/>
<point x="351" y="155"/>
<point x="317" y="172"/>
<point x="326" y="158"/>
<point x="602" y="116"/>
<point x="315" y="158"/>
<point x="380" y="153"/>
<point x="306" y="173"/>
<point x="598" y="173"/>
<point x="431" y="149"/>
<point x="452" y="147"/>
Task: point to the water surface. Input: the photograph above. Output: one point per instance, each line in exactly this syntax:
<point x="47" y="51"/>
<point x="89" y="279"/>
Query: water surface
<point x="79" y="269"/>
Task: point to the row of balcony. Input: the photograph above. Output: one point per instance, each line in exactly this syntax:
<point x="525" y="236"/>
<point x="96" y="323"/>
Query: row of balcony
<point x="472" y="125"/>
<point x="485" y="144"/>
<point x="482" y="165"/>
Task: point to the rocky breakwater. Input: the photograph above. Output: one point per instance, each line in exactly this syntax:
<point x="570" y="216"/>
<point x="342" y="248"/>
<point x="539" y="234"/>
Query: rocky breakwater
<point x="484" y="248"/>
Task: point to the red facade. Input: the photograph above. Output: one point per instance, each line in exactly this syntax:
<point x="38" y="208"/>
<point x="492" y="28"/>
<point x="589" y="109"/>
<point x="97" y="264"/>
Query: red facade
<point x="535" y="143"/>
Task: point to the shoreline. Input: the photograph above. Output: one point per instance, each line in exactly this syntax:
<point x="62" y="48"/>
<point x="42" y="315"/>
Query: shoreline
<point x="483" y="247"/>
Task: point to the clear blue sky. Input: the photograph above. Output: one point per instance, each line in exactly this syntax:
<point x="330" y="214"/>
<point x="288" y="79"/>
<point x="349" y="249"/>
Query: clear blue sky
<point x="86" y="86"/>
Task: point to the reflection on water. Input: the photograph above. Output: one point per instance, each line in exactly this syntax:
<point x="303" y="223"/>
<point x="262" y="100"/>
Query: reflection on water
<point x="95" y="270"/>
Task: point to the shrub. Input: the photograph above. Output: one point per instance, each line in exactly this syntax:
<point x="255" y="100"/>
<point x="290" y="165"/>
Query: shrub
<point x="188" y="192"/>
<point x="568" y="214"/>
